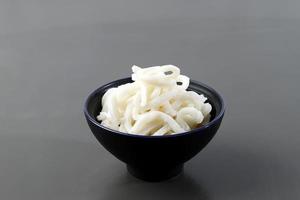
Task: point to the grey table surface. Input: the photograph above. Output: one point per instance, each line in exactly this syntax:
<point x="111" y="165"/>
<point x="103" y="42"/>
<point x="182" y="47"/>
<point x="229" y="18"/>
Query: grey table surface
<point x="53" y="53"/>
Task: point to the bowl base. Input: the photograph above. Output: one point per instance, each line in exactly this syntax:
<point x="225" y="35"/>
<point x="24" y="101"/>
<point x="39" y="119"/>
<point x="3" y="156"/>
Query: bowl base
<point x="154" y="175"/>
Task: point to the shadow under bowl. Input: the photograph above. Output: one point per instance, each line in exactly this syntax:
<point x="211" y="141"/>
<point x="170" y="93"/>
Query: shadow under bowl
<point x="154" y="158"/>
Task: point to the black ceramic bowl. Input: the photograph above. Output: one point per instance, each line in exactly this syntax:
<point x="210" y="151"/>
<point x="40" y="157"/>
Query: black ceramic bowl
<point x="154" y="158"/>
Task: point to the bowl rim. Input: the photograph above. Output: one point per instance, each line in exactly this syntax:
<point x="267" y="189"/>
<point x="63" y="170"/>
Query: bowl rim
<point x="96" y="123"/>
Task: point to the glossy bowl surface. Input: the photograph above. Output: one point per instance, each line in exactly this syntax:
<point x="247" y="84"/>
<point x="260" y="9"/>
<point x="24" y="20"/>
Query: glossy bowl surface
<point x="154" y="158"/>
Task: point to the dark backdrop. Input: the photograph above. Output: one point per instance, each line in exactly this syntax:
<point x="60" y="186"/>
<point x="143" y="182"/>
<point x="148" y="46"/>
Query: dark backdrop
<point x="53" y="53"/>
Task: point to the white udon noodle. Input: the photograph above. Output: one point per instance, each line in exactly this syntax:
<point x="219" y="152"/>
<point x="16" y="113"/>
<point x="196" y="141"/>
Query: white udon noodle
<point x="156" y="103"/>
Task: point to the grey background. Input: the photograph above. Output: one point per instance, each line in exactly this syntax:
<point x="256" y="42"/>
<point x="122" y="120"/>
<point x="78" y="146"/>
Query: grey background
<point x="53" y="53"/>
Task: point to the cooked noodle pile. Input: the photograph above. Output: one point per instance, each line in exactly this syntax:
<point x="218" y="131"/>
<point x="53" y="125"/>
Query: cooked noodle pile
<point x="156" y="103"/>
